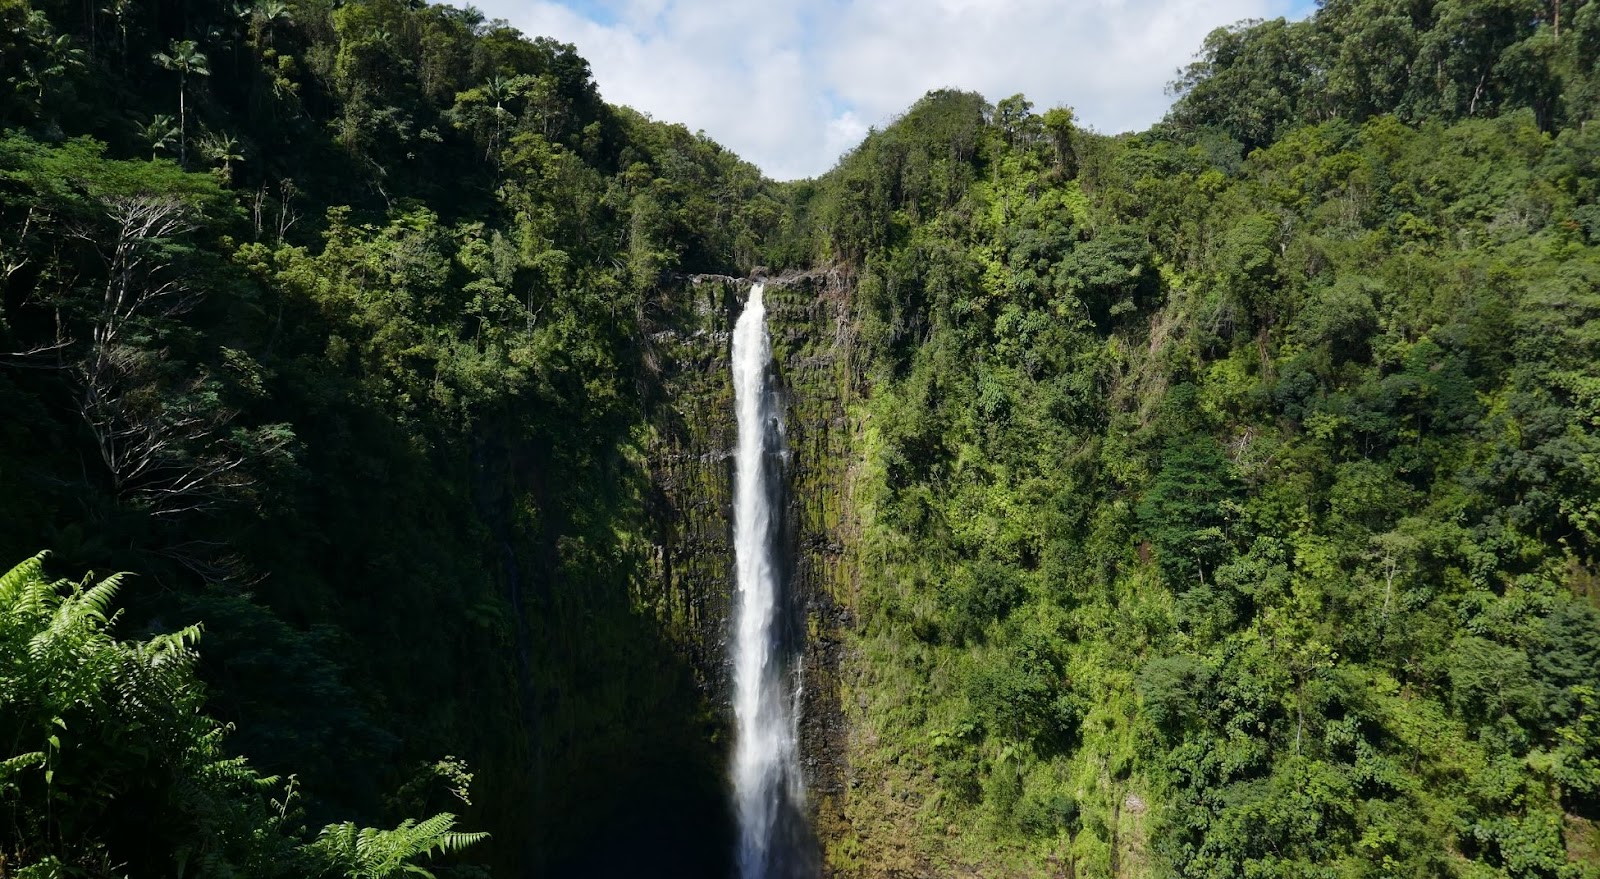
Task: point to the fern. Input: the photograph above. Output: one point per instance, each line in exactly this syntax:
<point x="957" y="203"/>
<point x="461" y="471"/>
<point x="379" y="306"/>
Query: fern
<point x="13" y="765"/>
<point x="370" y="853"/>
<point x="88" y="717"/>
<point x="13" y="581"/>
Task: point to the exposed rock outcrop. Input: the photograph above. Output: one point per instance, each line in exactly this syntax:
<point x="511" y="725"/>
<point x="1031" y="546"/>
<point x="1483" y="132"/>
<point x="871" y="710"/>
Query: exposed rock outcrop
<point x="687" y="328"/>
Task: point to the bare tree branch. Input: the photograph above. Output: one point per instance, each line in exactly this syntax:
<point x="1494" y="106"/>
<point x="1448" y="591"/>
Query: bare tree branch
<point x="28" y="359"/>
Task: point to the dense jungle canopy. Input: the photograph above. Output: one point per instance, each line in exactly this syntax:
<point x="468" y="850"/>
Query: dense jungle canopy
<point x="1223" y="499"/>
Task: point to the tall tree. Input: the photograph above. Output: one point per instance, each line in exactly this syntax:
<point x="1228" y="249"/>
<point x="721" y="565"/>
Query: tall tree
<point x="185" y="57"/>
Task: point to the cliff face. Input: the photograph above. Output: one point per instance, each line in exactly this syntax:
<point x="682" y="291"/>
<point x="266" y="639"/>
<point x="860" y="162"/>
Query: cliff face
<point x="690" y="464"/>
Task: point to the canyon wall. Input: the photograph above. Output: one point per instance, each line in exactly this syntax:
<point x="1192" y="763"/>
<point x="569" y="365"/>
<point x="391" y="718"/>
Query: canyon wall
<point x="691" y="467"/>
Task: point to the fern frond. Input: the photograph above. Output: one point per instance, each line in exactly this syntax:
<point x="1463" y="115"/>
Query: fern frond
<point x="370" y="853"/>
<point x="13" y="581"/>
<point x="94" y="601"/>
<point x="159" y="648"/>
<point x="457" y="840"/>
<point x="13" y="765"/>
<point x="30" y="594"/>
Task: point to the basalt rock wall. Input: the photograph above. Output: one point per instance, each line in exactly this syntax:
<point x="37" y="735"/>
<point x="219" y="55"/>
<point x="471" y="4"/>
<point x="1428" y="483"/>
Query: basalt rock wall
<point x="693" y="435"/>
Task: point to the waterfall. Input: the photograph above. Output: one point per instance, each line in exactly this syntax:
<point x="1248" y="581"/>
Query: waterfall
<point x="769" y="794"/>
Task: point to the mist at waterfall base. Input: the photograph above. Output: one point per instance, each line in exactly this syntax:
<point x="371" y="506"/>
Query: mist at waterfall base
<point x="769" y="793"/>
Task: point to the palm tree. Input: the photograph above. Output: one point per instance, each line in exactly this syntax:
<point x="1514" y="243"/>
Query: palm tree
<point x="54" y="57"/>
<point x="120" y="12"/>
<point x="159" y="133"/>
<point x="261" y="16"/>
<point x="185" y="57"/>
<point x="224" y="150"/>
<point x="498" y="90"/>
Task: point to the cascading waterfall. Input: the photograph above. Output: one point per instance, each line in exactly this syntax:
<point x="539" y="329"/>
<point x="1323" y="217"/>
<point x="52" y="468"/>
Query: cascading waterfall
<point x="769" y="794"/>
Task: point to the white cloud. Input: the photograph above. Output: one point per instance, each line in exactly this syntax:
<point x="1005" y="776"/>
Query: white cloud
<point x="792" y="84"/>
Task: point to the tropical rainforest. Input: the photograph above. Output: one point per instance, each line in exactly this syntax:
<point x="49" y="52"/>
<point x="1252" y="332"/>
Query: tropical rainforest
<point x="1218" y="500"/>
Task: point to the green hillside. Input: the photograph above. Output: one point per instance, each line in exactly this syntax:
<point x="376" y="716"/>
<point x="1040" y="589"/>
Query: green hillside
<point x="1221" y="500"/>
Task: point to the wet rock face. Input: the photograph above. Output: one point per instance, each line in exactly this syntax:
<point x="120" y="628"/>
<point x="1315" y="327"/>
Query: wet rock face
<point x="691" y="471"/>
<point x="690" y="461"/>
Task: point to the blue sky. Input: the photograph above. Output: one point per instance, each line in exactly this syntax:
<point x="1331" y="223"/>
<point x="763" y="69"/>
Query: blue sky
<point x="792" y="84"/>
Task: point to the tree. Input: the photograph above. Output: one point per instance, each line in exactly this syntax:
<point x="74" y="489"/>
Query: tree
<point x="168" y="444"/>
<point x="120" y="11"/>
<point x="224" y="150"/>
<point x="44" y="58"/>
<point x="185" y="57"/>
<point x="159" y="133"/>
<point x="1184" y="512"/>
<point x="1017" y="123"/>
<point x="483" y="109"/>
<point x="262" y="17"/>
<point x="1249" y="80"/>
<point x="1059" y="125"/>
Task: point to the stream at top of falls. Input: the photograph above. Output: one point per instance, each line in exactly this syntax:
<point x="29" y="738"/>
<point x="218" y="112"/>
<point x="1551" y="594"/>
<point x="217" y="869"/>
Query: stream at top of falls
<point x="769" y="792"/>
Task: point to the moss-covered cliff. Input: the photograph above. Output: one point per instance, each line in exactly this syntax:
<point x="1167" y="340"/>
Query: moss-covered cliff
<point x="690" y="462"/>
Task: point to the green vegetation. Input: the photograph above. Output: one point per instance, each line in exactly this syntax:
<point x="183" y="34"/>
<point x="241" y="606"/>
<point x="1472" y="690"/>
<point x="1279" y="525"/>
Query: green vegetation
<point x="326" y="320"/>
<point x="1229" y="488"/>
<point x="1222" y="501"/>
<point x="115" y="768"/>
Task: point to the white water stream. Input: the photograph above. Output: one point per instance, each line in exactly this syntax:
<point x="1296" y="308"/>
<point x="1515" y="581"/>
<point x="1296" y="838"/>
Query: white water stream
<point x="769" y="793"/>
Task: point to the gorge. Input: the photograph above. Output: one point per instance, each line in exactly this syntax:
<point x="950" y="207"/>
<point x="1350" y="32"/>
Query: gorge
<point x="1013" y="500"/>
